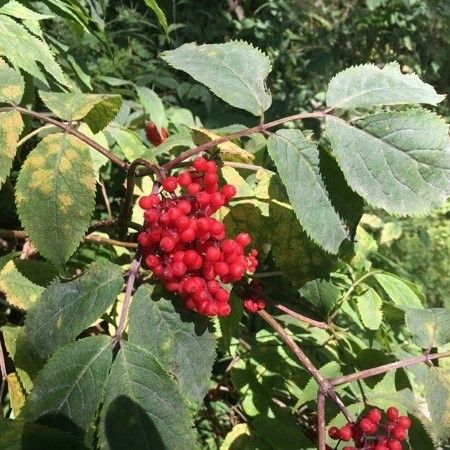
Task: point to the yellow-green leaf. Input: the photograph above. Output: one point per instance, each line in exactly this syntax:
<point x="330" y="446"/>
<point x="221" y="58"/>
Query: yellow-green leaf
<point x="11" y="126"/>
<point x="11" y="84"/>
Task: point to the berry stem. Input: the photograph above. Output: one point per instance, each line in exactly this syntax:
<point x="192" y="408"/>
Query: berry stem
<point x="134" y="269"/>
<point x="387" y="367"/>
<point x="325" y="386"/>
<point x="74" y="132"/>
<point x="247" y="132"/>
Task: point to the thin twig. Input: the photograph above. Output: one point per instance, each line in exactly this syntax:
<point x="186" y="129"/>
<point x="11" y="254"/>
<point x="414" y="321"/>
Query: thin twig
<point x="245" y="166"/>
<point x="134" y="269"/>
<point x="105" y="199"/>
<point x="321" y="439"/>
<point x="74" y="132"/>
<point x="324" y="385"/>
<point x="387" y="367"/>
<point x="296" y="315"/>
<point x="3" y="372"/>
<point x="247" y="132"/>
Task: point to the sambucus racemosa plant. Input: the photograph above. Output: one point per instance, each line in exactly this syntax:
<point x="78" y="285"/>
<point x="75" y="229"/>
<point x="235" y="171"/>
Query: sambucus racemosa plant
<point x="91" y="367"/>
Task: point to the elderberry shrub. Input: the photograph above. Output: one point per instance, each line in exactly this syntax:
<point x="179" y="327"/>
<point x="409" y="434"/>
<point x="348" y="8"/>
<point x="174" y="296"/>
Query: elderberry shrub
<point x="370" y="433"/>
<point x="186" y="248"/>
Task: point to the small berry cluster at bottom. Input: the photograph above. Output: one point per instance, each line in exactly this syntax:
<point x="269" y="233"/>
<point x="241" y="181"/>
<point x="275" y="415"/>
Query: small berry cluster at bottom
<point x="370" y="433"/>
<point x="186" y="248"/>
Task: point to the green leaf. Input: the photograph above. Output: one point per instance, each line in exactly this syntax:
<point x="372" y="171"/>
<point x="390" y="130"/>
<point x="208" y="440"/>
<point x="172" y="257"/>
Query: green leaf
<point x="68" y="390"/>
<point x="437" y="393"/>
<point x="429" y="327"/>
<point x="97" y="109"/>
<point x="398" y="291"/>
<point x="179" y="339"/>
<point x="21" y="290"/>
<point x="367" y="85"/>
<point x="11" y="126"/>
<point x="12" y="84"/>
<point x="234" y="71"/>
<point x="152" y="104"/>
<point x="394" y="160"/>
<point x="229" y="325"/>
<point x="297" y="162"/>
<point x="369" y="307"/>
<point x="25" y="51"/>
<point x="128" y="141"/>
<point x="56" y="182"/>
<point x="18" y="435"/>
<point x="159" y="13"/>
<point x="16" y="9"/>
<point x="64" y="310"/>
<point x="322" y="294"/>
<point x="143" y="408"/>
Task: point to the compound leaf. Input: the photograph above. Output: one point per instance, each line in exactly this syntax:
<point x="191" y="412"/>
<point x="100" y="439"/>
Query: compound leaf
<point x="234" y="71"/>
<point x="367" y="85"/>
<point x="68" y="390"/>
<point x="297" y="162"/>
<point x="55" y="195"/>
<point x="143" y="407"/>
<point x="180" y="340"/>
<point x="395" y="160"/>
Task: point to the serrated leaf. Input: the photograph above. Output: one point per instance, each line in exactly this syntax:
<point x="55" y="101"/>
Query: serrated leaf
<point x="96" y="109"/>
<point x="369" y="307"/>
<point x="143" y="408"/>
<point x="128" y="141"/>
<point x="16" y="9"/>
<point x="20" y="291"/>
<point x="98" y="159"/>
<point x="297" y="162"/>
<point x="152" y="104"/>
<point x="228" y="150"/>
<point x="11" y="126"/>
<point x="18" y="435"/>
<point x="25" y="51"/>
<point x="57" y="181"/>
<point x="69" y="389"/>
<point x="398" y="291"/>
<point x="234" y="71"/>
<point x="322" y="294"/>
<point x="395" y="160"/>
<point x="64" y="310"/>
<point x="153" y="5"/>
<point x="12" y="84"/>
<point x="367" y="85"/>
<point x="437" y="393"/>
<point x="429" y="327"/>
<point x="180" y="340"/>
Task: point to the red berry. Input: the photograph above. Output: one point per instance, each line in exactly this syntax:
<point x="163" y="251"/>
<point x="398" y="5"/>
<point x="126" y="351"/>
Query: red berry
<point x="221" y="268"/>
<point x="228" y="191"/>
<point x="243" y="239"/>
<point x="200" y="164"/>
<point x="345" y="433"/>
<point x="217" y="200"/>
<point x="194" y="188"/>
<point x="399" y="433"/>
<point x="404" y="422"/>
<point x="170" y="184"/>
<point x="365" y="425"/>
<point x="392" y="413"/>
<point x="187" y="235"/>
<point x="380" y="447"/>
<point x="333" y="432"/>
<point x="213" y="254"/>
<point x="184" y="179"/>
<point x="167" y="243"/>
<point x="211" y="178"/>
<point x="394" y="445"/>
<point x="374" y="415"/>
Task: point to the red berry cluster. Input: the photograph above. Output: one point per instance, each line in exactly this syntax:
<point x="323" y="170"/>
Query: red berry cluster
<point x="186" y="248"/>
<point x="253" y="301"/>
<point x="370" y="433"/>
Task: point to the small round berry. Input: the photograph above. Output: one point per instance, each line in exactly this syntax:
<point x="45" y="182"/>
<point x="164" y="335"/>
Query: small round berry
<point x="194" y="188"/>
<point x="345" y="433"/>
<point x="392" y="413"/>
<point x="211" y="178"/>
<point x="187" y="235"/>
<point x="404" y="422"/>
<point x="237" y="271"/>
<point x="228" y="191"/>
<point x="217" y="200"/>
<point x="184" y="206"/>
<point x="393" y="444"/>
<point x="380" y="447"/>
<point x="223" y="309"/>
<point x="190" y="258"/>
<point x="333" y="432"/>
<point x="221" y="268"/>
<point x="183" y="222"/>
<point x="200" y="164"/>
<point x="216" y="227"/>
<point x="228" y="246"/>
<point x="152" y="261"/>
<point x="203" y="198"/>
<point x="178" y="268"/>
<point x="243" y="239"/>
<point x="213" y="254"/>
<point x="365" y="425"/>
<point x="170" y="184"/>
<point x="211" y="167"/>
<point x="222" y="295"/>
<point x="184" y="179"/>
<point x="167" y="243"/>
<point x="144" y="239"/>
<point x="399" y="433"/>
<point x="374" y="415"/>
